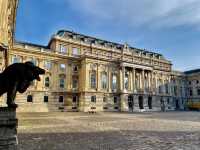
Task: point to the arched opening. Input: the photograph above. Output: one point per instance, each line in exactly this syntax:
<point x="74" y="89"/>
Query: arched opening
<point x="177" y="105"/>
<point x="130" y="102"/>
<point x="141" y="105"/>
<point x="150" y="102"/>
<point x="162" y="103"/>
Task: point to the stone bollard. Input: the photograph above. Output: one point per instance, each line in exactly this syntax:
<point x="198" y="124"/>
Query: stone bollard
<point x="8" y="129"/>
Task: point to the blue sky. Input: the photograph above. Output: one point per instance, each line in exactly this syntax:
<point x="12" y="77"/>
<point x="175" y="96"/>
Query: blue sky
<point x="170" y="27"/>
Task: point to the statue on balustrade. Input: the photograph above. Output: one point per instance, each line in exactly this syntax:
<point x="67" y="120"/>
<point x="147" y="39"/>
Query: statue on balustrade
<point x="17" y="78"/>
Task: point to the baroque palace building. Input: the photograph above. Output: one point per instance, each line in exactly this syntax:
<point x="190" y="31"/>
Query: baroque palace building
<point x="85" y="73"/>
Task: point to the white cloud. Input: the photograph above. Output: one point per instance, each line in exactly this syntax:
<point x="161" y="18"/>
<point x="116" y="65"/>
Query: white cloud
<point x="154" y="13"/>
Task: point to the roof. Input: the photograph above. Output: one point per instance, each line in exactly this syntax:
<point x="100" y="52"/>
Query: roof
<point x="31" y="44"/>
<point x="62" y="33"/>
<point x="192" y="71"/>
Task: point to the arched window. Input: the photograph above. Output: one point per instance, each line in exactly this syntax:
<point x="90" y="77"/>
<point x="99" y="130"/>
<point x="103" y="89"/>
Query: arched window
<point x="93" y="79"/>
<point x="137" y="80"/>
<point x="104" y="80"/>
<point x="126" y="78"/>
<point x="47" y="82"/>
<point x="114" y="81"/>
<point x="160" y="86"/>
<point x="146" y="81"/>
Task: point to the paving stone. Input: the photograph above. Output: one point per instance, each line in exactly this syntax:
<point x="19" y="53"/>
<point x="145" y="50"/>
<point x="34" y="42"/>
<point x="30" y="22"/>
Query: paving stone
<point x="109" y="131"/>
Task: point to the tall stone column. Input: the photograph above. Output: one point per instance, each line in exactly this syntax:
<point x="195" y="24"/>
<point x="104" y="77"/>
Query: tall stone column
<point x="8" y="128"/>
<point x="142" y="80"/>
<point x="40" y="85"/>
<point x="131" y="81"/>
<point x="149" y="80"/>
<point x="133" y="76"/>
<point x="156" y="83"/>
<point x="120" y="79"/>
<point x="123" y="103"/>
<point x="98" y="77"/>
<point x="109" y="77"/>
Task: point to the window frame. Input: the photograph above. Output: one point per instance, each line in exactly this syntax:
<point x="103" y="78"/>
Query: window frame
<point x="46" y="100"/>
<point x="93" y="99"/>
<point x="29" y="98"/>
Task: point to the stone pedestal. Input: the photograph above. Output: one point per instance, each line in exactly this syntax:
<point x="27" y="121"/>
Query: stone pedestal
<point x="8" y="128"/>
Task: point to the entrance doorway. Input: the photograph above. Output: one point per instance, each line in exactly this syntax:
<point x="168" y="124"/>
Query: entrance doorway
<point x="162" y="103"/>
<point x="177" y="105"/>
<point x="150" y="102"/>
<point x="130" y="102"/>
<point x="141" y="103"/>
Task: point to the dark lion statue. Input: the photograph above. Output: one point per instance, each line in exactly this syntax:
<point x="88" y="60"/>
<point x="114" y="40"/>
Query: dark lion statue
<point x="17" y="78"/>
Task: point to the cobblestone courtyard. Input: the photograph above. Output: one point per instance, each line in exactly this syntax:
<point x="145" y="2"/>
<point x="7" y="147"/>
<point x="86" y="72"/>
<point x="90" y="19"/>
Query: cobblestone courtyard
<point x="109" y="131"/>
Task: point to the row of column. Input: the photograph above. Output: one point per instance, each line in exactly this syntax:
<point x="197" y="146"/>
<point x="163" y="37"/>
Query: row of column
<point x="141" y="80"/>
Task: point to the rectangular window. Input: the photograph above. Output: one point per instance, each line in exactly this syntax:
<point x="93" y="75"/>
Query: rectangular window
<point x="46" y="99"/>
<point x="63" y="49"/>
<point x="198" y="92"/>
<point x="74" y="99"/>
<point x="93" y="99"/>
<point x="168" y="101"/>
<point x="191" y="93"/>
<point x="115" y="99"/>
<point x="75" y="68"/>
<point x="104" y="80"/>
<point x="47" y="82"/>
<point x="166" y="88"/>
<point x="175" y="90"/>
<point x="62" y="67"/>
<point x="93" y="79"/>
<point x="104" y="99"/>
<point x="75" y="84"/>
<point x="16" y="59"/>
<point x="75" y="51"/>
<point x="116" y="107"/>
<point x="61" y="99"/>
<point x="47" y="65"/>
<point x="62" y="82"/>
<point x="29" y="98"/>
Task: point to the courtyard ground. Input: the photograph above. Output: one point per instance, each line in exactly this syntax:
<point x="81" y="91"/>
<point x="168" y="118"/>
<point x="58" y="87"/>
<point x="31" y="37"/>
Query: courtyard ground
<point x="109" y="131"/>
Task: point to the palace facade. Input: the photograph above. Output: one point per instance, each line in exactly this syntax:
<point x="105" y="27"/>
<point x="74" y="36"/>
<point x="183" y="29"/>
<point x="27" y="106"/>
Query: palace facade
<point x="84" y="73"/>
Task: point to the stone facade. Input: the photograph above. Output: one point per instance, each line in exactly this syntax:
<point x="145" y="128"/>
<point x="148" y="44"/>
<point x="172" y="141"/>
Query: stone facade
<point x="89" y="74"/>
<point x="7" y="26"/>
<point x="193" y="89"/>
